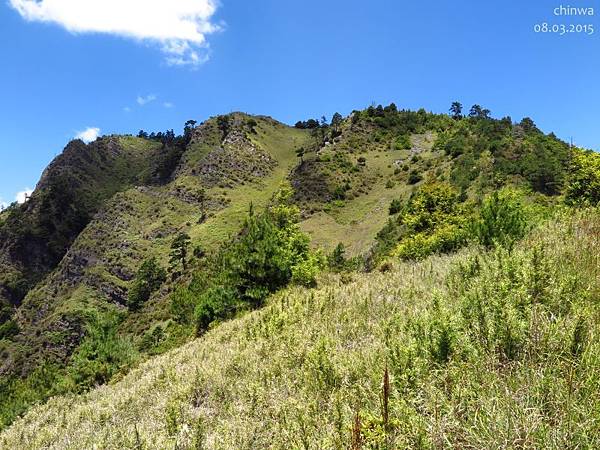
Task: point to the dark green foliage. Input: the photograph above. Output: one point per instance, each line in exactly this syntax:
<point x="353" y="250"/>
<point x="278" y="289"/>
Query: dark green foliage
<point x="495" y="150"/>
<point x="263" y="259"/>
<point x="456" y="110"/>
<point x="178" y="255"/>
<point x="18" y="395"/>
<point x="442" y="342"/>
<point x="528" y="125"/>
<point x="400" y="123"/>
<point x="545" y="164"/>
<point x="8" y="329"/>
<point x="217" y="302"/>
<point x="101" y="355"/>
<point x="307" y="125"/>
<point x="188" y="129"/>
<point x="337" y="259"/>
<point x="6" y="313"/>
<point x="456" y="143"/>
<point x="580" y="336"/>
<point x="269" y="253"/>
<point x="167" y="162"/>
<point x="477" y="112"/>
<point x="465" y="171"/>
<point x="339" y="193"/>
<point x="252" y="124"/>
<point x="501" y="220"/>
<point x="395" y="206"/>
<point x="152" y="338"/>
<point x="336" y="121"/>
<point x="414" y="177"/>
<point x="148" y="279"/>
<point x="199" y="252"/>
<point x="183" y="302"/>
<point x="224" y="125"/>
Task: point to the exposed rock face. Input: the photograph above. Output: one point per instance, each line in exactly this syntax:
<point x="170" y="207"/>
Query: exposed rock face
<point x="227" y="160"/>
<point x="237" y="161"/>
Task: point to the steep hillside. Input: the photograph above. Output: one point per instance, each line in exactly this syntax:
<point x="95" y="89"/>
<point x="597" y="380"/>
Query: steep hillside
<point x="206" y="195"/>
<point x="132" y="246"/>
<point x="34" y="237"/>
<point x="478" y="350"/>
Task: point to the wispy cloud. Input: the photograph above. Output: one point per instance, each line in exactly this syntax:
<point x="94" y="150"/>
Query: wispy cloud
<point x="23" y="195"/>
<point x="88" y="135"/>
<point x="168" y="105"/>
<point x="178" y="27"/>
<point x="141" y="100"/>
<point x="127" y="109"/>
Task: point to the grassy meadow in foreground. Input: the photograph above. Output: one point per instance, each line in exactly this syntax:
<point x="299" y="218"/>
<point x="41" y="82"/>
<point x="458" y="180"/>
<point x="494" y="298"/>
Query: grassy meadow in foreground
<point x="483" y="350"/>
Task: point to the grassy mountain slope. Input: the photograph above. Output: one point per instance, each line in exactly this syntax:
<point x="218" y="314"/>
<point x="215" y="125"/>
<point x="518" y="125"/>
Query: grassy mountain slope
<point x="76" y="327"/>
<point x="484" y="350"/>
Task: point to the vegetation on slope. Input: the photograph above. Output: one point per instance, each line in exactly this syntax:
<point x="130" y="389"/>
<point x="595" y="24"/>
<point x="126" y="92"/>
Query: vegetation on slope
<point x="100" y="284"/>
<point x="165" y="260"/>
<point x="481" y="350"/>
<point x="35" y="236"/>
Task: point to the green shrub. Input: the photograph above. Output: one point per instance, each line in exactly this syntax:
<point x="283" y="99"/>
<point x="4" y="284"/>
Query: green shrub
<point x="152" y="338"/>
<point x="17" y="395"/>
<point x="8" y="329"/>
<point x="395" y="206"/>
<point x="584" y="179"/>
<point x="178" y="254"/>
<point x="444" y="239"/>
<point x="414" y="177"/>
<point x="339" y="193"/>
<point x="216" y="303"/>
<point x="101" y="355"/>
<point x="148" y="279"/>
<point x="432" y="221"/>
<point x="501" y="220"/>
<point x="337" y="259"/>
<point x="183" y="302"/>
<point x="269" y="253"/>
<point x="305" y="272"/>
<point x="402" y="142"/>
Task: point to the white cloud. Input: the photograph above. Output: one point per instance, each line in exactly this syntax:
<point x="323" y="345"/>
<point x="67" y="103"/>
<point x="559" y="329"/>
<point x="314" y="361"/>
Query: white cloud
<point x="22" y="196"/>
<point x="168" y="105"/>
<point x="145" y="100"/>
<point x="88" y="135"/>
<point x="127" y="109"/>
<point x="179" y="27"/>
<point x="3" y="204"/>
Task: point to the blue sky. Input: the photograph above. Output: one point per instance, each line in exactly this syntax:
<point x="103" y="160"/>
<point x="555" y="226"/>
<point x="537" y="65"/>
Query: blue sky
<point x="119" y="67"/>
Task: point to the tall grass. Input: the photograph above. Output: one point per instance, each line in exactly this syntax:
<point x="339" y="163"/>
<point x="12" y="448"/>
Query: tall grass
<point x="486" y="350"/>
